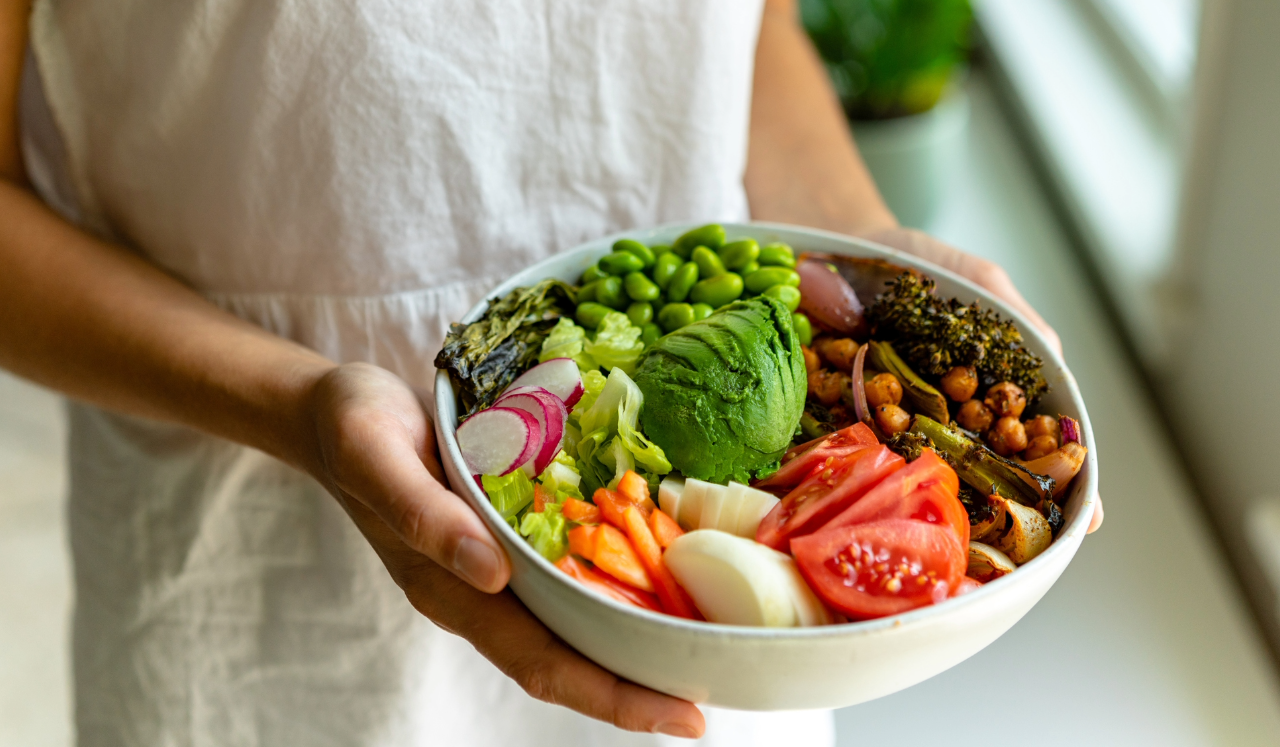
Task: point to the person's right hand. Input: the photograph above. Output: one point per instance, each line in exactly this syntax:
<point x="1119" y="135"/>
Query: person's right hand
<point x="376" y="453"/>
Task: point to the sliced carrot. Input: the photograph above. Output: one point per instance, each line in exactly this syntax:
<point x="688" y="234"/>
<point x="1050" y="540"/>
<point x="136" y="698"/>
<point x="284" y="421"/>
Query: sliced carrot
<point x="539" y="498"/>
<point x="582" y="541"/>
<point x="611" y="506"/>
<point x="635" y="489"/>
<point x="674" y="598"/>
<point x="581" y="511"/>
<point x="665" y="529"/>
<point x="610" y="587"/>
<point x="616" y="557"/>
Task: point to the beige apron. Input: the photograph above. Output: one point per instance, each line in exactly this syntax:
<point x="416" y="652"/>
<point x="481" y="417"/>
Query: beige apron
<point x="353" y="176"/>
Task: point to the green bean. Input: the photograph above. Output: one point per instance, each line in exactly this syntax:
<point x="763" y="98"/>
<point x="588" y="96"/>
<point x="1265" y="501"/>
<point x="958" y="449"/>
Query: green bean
<point x="587" y="292"/>
<point x="710" y="236"/>
<point x="640" y="287"/>
<point x="777" y="254"/>
<point x="591" y="274"/>
<point x="591" y="314"/>
<point x="650" y="333"/>
<point x="609" y="293"/>
<point x="786" y="294"/>
<point x="640" y="313"/>
<point x="664" y="267"/>
<point x="717" y="291"/>
<point x="682" y="282"/>
<point x="620" y="263"/>
<point x="635" y="247"/>
<point x="675" y="315"/>
<point x="709" y="265"/>
<point x="738" y="254"/>
<point x="804" y="330"/>
<point x="767" y="277"/>
<point x="701" y="311"/>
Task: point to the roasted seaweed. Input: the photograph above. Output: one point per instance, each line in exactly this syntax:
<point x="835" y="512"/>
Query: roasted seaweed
<point x="482" y="358"/>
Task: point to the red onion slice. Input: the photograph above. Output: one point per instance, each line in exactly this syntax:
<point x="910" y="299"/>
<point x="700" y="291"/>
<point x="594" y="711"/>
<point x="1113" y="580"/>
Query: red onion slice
<point x="1070" y="429"/>
<point x="828" y="298"/>
<point x="860" y="409"/>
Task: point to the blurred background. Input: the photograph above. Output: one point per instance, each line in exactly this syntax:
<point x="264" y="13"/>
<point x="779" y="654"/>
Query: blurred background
<point x="1121" y="158"/>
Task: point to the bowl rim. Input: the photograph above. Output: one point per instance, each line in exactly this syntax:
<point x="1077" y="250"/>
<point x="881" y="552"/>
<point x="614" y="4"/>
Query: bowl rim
<point x="1066" y="543"/>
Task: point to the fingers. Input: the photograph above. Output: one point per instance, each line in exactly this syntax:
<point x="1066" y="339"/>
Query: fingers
<point x="1098" y="516"/>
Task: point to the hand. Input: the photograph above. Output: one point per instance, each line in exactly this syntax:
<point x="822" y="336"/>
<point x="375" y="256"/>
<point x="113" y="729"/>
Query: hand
<point x="376" y="453"/>
<point x="987" y="274"/>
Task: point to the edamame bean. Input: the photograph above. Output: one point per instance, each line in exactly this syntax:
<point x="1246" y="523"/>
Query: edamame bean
<point x="620" y="263"/>
<point x="640" y="313"/>
<point x="710" y="236"/>
<point x="664" y="267"/>
<point x="804" y="330"/>
<point x="738" y="254"/>
<point x="650" y="333"/>
<point x="786" y="294"/>
<point x="767" y="277"/>
<point x="717" y="291"/>
<point x="590" y="314"/>
<point x="639" y="287"/>
<point x="701" y="311"/>
<point x="591" y="275"/>
<point x="587" y="292"/>
<point x="777" y="254"/>
<point x="660" y="249"/>
<point x="609" y="293"/>
<point x="635" y="247"/>
<point x="709" y="265"/>
<point x="750" y="268"/>
<point x="682" y="282"/>
<point x="675" y="315"/>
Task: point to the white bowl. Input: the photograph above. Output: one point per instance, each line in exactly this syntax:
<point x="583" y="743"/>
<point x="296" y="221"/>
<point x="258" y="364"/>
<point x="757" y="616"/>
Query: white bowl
<point x="770" y="668"/>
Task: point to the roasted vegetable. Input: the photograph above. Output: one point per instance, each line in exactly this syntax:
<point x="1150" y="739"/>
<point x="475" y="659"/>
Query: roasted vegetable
<point x="935" y="334"/>
<point x="923" y="397"/>
<point x="482" y="358"/>
<point x="980" y="467"/>
<point x="990" y="516"/>
<point x="987" y="563"/>
<point x="1027" y="535"/>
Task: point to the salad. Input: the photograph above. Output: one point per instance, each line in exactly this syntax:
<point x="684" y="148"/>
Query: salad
<point x="723" y="431"/>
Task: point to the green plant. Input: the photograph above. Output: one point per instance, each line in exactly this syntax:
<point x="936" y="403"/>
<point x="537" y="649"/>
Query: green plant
<point x="889" y="58"/>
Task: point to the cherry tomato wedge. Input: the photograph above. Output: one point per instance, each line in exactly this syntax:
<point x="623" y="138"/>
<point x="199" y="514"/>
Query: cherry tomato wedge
<point x="809" y="456"/>
<point x="882" y="568"/>
<point x="926" y="490"/>
<point x="830" y="490"/>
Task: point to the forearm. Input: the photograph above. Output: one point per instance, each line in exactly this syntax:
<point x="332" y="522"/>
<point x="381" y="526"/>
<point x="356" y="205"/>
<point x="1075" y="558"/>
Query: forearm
<point x="96" y="322"/>
<point x="802" y="165"/>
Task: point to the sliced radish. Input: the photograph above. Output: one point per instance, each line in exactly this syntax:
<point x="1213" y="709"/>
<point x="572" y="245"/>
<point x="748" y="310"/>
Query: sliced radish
<point x="498" y="440"/>
<point x="550" y="413"/>
<point x="560" y="376"/>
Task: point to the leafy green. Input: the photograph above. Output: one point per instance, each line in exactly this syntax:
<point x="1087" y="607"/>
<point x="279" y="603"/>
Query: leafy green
<point x="616" y="343"/>
<point x="561" y="478"/>
<point x="509" y="494"/>
<point x="547" y="531"/>
<point x="565" y="341"/>
<point x="592" y="384"/>
<point x="482" y="358"/>
<point x="611" y="439"/>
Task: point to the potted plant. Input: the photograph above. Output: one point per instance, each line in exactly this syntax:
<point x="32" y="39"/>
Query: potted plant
<point x="895" y="65"/>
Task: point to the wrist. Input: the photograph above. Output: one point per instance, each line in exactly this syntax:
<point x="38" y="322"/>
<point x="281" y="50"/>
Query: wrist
<point x="292" y="405"/>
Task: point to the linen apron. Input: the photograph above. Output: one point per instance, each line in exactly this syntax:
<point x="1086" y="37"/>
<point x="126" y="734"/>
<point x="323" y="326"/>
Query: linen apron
<point x="352" y="176"/>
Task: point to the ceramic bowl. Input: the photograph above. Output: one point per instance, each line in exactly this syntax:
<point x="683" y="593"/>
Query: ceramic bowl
<point x="771" y="668"/>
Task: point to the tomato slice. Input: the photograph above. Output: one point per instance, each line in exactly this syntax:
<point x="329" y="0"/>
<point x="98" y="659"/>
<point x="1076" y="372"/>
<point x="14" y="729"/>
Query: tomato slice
<point x="830" y="490"/>
<point x="882" y="568"/>
<point x="807" y="457"/>
<point x="927" y="490"/>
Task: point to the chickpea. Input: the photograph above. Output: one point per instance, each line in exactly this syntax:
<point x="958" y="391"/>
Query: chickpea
<point x="1040" y="446"/>
<point x="1006" y="399"/>
<point x="811" y="362"/>
<point x="974" y="416"/>
<point x="1042" y="425"/>
<point x="839" y="352"/>
<point x="892" y="419"/>
<point x="960" y="383"/>
<point x="1007" y="437"/>
<point x="824" y="386"/>
<point x="883" y="389"/>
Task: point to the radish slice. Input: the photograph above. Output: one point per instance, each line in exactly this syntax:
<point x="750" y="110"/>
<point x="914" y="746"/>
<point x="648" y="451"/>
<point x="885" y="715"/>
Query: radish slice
<point x="498" y="440"/>
<point x="560" y="376"/>
<point x="860" y="409"/>
<point x="550" y="413"/>
<point x="828" y="298"/>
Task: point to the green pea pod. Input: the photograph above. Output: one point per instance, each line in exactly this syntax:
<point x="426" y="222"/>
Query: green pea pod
<point x="664" y="267"/>
<point x="591" y="314"/>
<point x="620" y="263"/>
<point x="682" y="282"/>
<point x="710" y="236"/>
<point x="701" y="311"/>
<point x="675" y="315"/>
<point x="717" y="291"/>
<point x="635" y="247"/>
<point x="640" y="313"/>
<point x="786" y="294"/>
<point x="649" y="334"/>
<point x="588" y="291"/>
<point x="639" y="287"/>
<point x="709" y="265"/>
<point x="767" y="277"/>
<point x="591" y="275"/>
<point x="609" y="293"/>
<point x="804" y="330"/>
<point x="777" y="254"/>
<point x="738" y="254"/>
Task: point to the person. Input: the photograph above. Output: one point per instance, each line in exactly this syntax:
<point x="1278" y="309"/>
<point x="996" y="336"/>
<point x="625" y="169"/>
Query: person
<point x="233" y="232"/>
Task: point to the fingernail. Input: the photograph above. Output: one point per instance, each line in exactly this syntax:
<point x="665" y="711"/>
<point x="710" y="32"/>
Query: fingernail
<point x="476" y="562"/>
<point x="673" y="729"/>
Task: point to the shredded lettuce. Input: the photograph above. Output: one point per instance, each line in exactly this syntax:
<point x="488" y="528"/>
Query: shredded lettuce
<point x="547" y="531"/>
<point x="592" y="384"/>
<point x="611" y="440"/>
<point x="566" y="340"/>
<point x="561" y="478"/>
<point x="509" y="495"/>
<point x="616" y="343"/>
